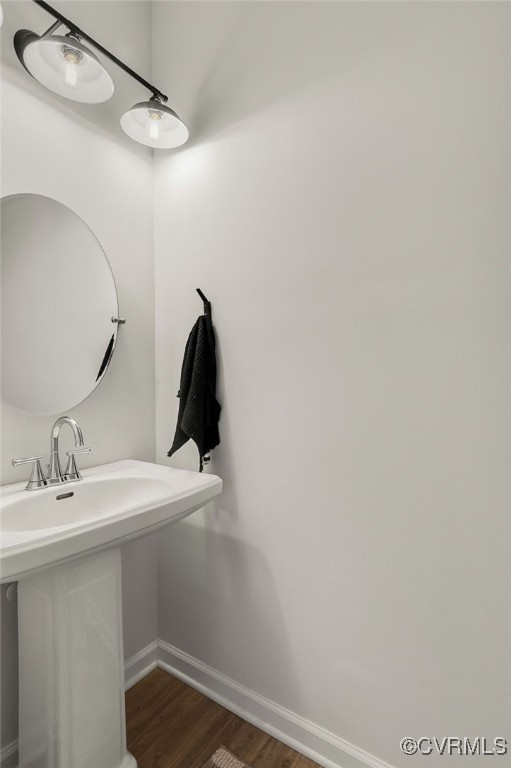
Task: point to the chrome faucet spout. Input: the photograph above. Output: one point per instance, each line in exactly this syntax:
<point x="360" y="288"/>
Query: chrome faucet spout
<point x="55" y="474"/>
<point x="55" y="432"/>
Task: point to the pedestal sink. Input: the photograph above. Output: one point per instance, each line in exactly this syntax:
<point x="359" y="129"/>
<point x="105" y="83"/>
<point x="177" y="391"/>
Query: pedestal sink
<point x="60" y="544"/>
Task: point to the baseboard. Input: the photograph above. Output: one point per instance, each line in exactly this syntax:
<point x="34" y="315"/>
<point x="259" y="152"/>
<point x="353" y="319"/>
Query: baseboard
<point x="306" y="737"/>
<point x="135" y="668"/>
<point x="139" y="665"/>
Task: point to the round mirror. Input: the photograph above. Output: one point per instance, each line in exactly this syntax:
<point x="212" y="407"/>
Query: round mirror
<point x="58" y="298"/>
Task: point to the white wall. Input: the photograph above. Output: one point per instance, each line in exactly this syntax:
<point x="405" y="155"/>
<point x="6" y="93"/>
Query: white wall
<point x="344" y="203"/>
<point x="50" y="150"/>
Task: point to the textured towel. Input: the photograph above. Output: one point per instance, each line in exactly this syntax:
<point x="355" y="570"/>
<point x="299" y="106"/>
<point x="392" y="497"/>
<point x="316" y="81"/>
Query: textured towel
<point x="199" y="410"/>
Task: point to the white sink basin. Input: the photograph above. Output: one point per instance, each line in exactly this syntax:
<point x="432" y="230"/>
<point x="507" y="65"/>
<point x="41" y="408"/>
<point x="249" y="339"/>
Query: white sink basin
<point x="71" y="675"/>
<point x="115" y="501"/>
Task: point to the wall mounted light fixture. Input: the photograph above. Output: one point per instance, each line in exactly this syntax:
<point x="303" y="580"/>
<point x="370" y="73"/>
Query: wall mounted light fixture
<point x="65" y="65"/>
<point x="153" y="123"/>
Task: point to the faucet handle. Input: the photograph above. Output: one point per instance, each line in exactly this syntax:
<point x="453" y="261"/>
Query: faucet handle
<point x="83" y="449"/>
<point x="72" y="472"/>
<point x="37" y="478"/>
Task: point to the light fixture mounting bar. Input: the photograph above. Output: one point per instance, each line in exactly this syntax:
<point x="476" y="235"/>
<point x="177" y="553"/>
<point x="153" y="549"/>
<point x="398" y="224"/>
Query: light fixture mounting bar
<point x="73" y="28"/>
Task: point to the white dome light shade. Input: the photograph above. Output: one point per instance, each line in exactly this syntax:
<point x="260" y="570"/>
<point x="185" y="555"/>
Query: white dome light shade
<point x="1" y="16"/>
<point x="68" y="68"/>
<point x="155" y="125"/>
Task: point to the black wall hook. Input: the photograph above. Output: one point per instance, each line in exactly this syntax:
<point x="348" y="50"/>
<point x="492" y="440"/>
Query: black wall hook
<point x="207" y="303"/>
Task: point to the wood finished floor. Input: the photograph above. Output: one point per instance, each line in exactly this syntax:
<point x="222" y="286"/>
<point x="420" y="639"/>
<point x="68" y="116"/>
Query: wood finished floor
<point x="170" y="725"/>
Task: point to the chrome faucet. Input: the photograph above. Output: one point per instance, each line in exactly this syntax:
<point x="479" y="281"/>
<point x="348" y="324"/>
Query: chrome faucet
<point x="55" y="474"/>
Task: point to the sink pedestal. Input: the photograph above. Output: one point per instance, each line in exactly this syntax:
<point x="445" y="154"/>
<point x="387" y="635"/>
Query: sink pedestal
<point x="72" y="666"/>
<point x="57" y="546"/>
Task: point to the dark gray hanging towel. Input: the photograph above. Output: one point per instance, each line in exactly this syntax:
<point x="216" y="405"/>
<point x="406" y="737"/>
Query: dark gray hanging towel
<point x="199" y="410"/>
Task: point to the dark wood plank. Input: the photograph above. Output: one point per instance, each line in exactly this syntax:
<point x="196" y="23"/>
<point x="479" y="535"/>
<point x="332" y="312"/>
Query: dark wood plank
<point x="171" y="725"/>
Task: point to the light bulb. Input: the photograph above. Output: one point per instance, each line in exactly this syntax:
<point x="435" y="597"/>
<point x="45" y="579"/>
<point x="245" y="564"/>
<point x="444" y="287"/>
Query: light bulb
<point x="71" y="75"/>
<point x="70" y="71"/>
<point x="155" y="118"/>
